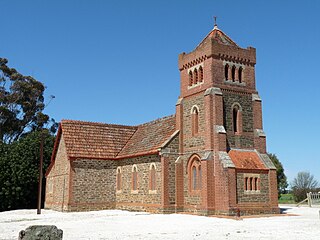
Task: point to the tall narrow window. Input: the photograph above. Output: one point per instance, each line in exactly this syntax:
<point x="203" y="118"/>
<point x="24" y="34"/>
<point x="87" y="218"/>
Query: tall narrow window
<point x="118" y="179"/>
<point x="153" y="178"/>
<point x="134" y="178"/>
<point x="196" y="77"/>
<point x="257" y="183"/>
<point x="246" y="184"/>
<point x="240" y="75"/>
<point x="190" y="78"/>
<point x="194" y="178"/>
<point x="226" y="71"/>
<point x="233" y="73"/>
<point x="195" y="121"/>
<point x="200" y="74"/>
<point x="199" y="177"/>
<point x="235" y="119"/>
<point x="251" y="184"/>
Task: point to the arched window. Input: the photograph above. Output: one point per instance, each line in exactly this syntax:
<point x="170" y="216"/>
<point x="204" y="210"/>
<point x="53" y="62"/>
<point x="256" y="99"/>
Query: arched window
<point x="119" y="182"/>
<point x="236" y="119"/>
<point x="252" y="183"/>
<point x="226" y="71"/>
<point x="200" y="74"/>
<point x="195" y="174"/>
<point x="190" y="78"/>
<point x="196" y="77"/>
<point x="134" y="178"/>
<point x="153" y="177"/>
<point x="195" y="120"/>
<point x="240" y="75"/>
<point x="233" y="73"/>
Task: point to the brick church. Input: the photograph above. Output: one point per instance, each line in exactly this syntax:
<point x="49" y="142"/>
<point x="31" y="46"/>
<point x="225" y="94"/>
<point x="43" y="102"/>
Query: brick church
<point x="208" y="158"/>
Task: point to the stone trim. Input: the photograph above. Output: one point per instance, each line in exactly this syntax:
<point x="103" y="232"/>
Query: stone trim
<point x="256" y="97"/>
<point x="252" y="176"/>
<point x="266" y="161"/>
<point x="134" y="166"/>
<point x="213" y="91"/>
<point x="194" y="106"/>
<point x="237" y="65"/>
<point x="259" y="133"/>
<point x="236" y="82"/>
<point x="179" y="101"/>
<point x="195" y="67"/>
<point x="178" y="160"/>
<point x="219" y="129"/>
<point x="226" y="160"/>
<point x="153" y="164"/>
<point x="195" y="85"/>
<point x="206" y="156"/>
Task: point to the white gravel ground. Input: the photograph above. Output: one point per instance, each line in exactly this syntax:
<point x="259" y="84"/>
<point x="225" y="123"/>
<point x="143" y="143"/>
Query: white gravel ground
<point x="116" y="224"/>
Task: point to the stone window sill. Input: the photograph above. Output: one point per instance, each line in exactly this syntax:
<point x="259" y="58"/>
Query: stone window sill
<point x="118" y="191"/>
<point x="134" y="191"/>
<point x="195" y="85"/>
<point x="236" y="82"/>
<point x="252" y="191"/>
<point x="152" y="191"/>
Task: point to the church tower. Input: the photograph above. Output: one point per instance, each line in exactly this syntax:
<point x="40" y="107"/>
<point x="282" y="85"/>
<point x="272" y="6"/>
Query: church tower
<point x="223" y="167"/>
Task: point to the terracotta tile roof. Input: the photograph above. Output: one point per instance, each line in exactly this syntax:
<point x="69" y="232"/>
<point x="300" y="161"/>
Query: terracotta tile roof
<point x="109" y="141"/>
<point x="95" y="140"/>
<point x="244" y="159"/>
<point x="220" y="37"/>
<point x="150" y="136"/>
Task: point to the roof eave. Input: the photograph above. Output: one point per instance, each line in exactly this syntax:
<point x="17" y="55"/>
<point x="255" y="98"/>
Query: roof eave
<point x="55" y="149"/>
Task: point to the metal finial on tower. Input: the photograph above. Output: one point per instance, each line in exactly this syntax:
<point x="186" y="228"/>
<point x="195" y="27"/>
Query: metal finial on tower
<point x="215" y="22"/>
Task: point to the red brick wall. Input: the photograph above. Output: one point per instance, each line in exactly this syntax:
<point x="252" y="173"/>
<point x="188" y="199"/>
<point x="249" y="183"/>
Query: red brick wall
<point x="57" y="184"/>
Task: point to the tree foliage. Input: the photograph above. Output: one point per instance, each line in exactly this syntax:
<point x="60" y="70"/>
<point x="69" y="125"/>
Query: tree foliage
<point x="303" y="183"/>
<point x="19" y="170"/>
<point x="21" y="104"/>
<point x="281" y="177"/>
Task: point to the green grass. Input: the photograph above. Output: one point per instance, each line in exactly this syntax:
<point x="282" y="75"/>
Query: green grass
<point x="286" y="198"/>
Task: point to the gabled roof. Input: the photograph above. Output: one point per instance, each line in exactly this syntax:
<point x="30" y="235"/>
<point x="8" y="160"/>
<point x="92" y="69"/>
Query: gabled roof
<point x="108" y="141"/>
<point x="95" y="140"/>
<point x="149" y="136"/>
<point x="220" y="37"/>
<point x="246" y="159"/>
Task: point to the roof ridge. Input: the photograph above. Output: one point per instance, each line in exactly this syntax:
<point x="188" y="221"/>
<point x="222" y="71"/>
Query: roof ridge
<point x="118" y="153"/>
<point x="156" y="120"/>
<point x="96" y="123"/>
<point x="218" y="30"/>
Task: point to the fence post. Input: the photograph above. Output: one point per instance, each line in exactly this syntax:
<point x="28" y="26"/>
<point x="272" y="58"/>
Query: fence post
<point x="309" y="199"/>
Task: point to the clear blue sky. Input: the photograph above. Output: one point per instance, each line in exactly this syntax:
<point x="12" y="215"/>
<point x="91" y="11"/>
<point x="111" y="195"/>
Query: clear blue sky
<point x="115" y="61"/>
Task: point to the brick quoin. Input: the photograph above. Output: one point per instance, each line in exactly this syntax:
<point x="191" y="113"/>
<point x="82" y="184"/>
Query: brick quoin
<point x="226" y="138"/>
